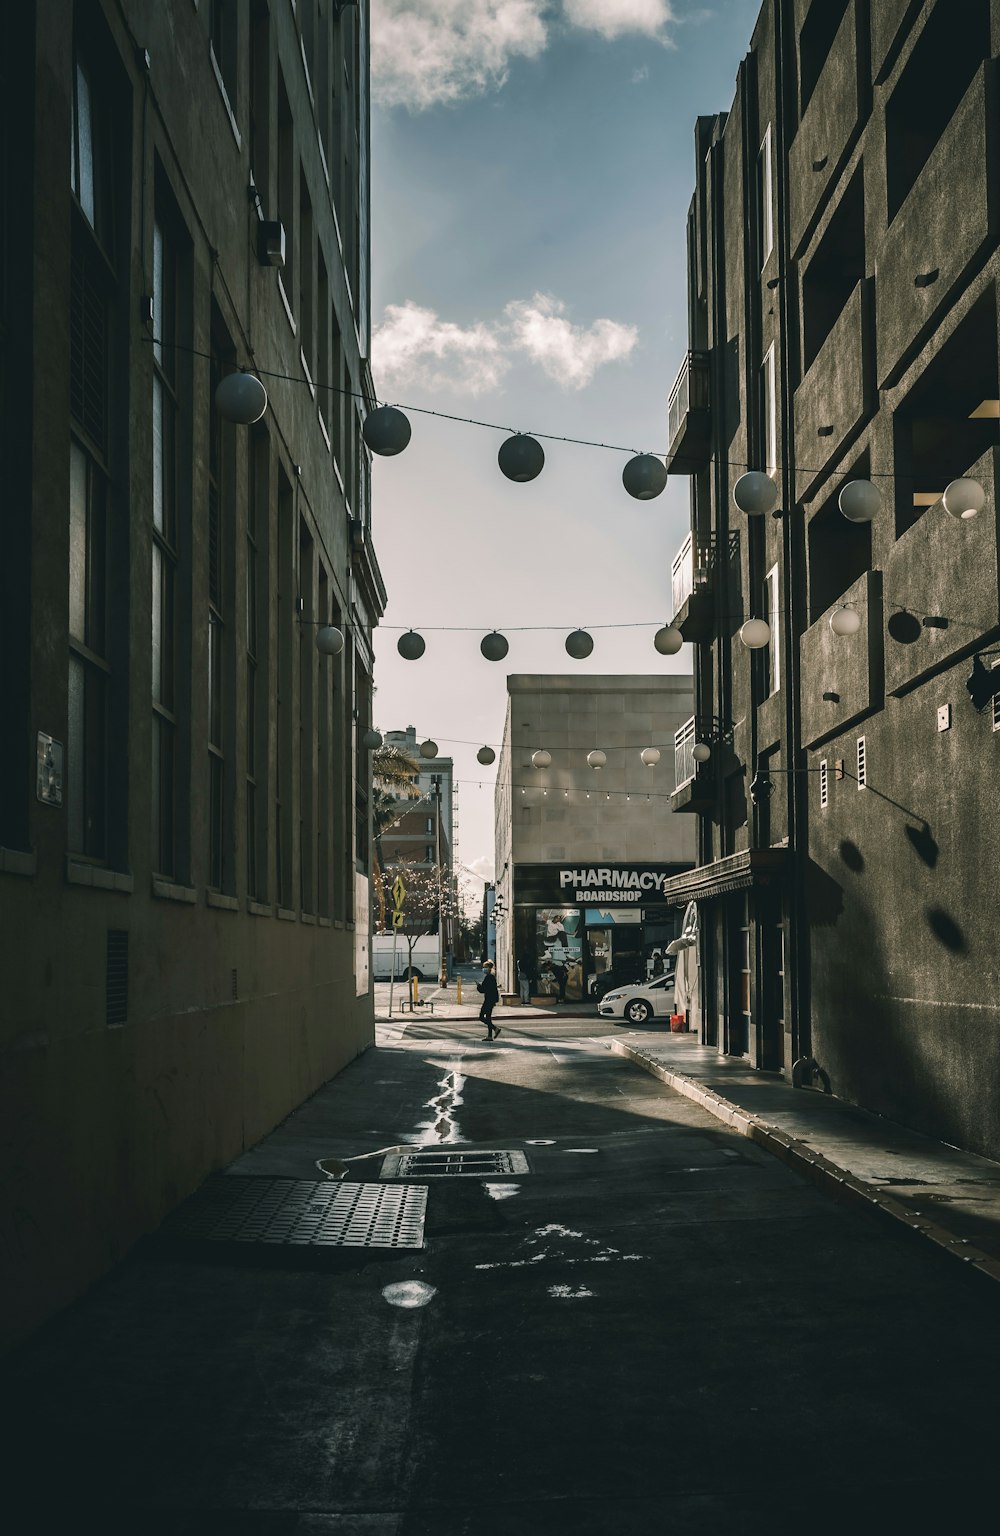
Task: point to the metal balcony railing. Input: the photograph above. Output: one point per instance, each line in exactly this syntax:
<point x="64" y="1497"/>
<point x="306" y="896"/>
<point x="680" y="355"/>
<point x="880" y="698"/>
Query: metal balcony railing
<point x="694" y="566"/>
<point x="689" y="394"/>
<point x="685" y="766"/>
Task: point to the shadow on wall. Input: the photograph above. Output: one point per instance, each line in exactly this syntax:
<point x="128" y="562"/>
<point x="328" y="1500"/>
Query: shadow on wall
<point x="852" y="856"/>
<point x="946" y="930"/>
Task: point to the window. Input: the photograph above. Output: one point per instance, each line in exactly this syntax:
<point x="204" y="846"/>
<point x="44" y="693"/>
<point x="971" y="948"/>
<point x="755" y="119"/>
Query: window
<point x="772" y="606"/>
<point x="286" y="188"/>
<point x="221" y="649"/>
<point x="765" y="199"/>
<point x="324" y="786"/>
<point x="165" y="545"/>
<point x="323" y="380"/>
<point x="430" y="825"/>
<point x="824" y="784"/>
<point x="839" y="552"/>
<point x="337" y="396"/>
<point x="429" y="854"/>
<point x="362" y="831"/>
<point x="89" y="659"/>
<point x="306" y="279"/>
<point x="837" y="266"/>
<point x="285" y="620"/>
<point x="307" y="652"/>
<point x="260" y="103"/>
<point x="92" y="154"/>
<point x="768" y="414"/>
<point x="862" y="763"/>
<point x="222" y="35"/>
<point x="258" y="507"/>
<point x="815" y="42"/>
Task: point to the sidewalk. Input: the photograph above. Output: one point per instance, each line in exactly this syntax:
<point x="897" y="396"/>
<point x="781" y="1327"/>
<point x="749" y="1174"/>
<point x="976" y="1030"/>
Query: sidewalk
<point x="446" y="1005"/>
<point x="945" y="1196"/>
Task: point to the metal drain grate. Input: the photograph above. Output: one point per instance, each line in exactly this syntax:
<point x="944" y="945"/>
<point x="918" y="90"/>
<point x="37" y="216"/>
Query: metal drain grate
<point x="297" y="1211"/>
<point x="438" y="1164"/>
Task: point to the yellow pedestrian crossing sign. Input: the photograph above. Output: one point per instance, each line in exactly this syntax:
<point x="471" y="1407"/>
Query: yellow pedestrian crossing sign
<point x="397" y="919"/>
<point x="398" y="892"/>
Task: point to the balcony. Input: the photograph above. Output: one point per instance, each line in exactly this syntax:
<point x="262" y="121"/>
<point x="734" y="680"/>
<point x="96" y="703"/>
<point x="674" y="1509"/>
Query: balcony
<point x="695" y="789"/>
<point x="694" y="582"/>
<point x="689" y="416"/>
<point x="836" y="395"/>
<point x="828" y="130"/>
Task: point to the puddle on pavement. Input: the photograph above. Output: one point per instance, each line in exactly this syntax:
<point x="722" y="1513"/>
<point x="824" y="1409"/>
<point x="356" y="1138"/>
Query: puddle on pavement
<point x="581" y="1149"/>
<point x="409" y="1293"/>
<point x="442" y="1126"/>
<point x="502" y="1191"/>
<point x="542" y="1141"/>
<point x="567" y="1292"/>
<point x="332" y="1167"/>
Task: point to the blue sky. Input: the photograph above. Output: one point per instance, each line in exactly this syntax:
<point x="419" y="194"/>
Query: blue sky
<point x="532" y="165"/>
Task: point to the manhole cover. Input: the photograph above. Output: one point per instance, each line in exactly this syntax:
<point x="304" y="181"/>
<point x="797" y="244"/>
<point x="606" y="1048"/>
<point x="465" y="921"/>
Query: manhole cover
<point x="297" y="1211"/>
<point x="437" y="1164"/>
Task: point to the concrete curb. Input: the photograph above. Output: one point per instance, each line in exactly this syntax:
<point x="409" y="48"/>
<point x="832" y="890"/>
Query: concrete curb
<point x="810" y="1164"/>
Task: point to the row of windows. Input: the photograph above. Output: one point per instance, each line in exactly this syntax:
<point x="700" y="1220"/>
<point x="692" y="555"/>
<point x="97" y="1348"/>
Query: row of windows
<point x="219" y="534"/>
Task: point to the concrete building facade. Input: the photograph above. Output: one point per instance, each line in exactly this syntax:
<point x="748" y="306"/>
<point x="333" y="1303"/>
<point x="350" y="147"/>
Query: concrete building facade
<point x="843" y="327"/>
<point x="184" y="839"/>
<point x="582" y="853"/>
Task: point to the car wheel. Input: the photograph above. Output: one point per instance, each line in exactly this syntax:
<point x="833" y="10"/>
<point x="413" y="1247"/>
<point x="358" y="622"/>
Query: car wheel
<point x="412" y="972"/>
<point x="637" y="1012"/>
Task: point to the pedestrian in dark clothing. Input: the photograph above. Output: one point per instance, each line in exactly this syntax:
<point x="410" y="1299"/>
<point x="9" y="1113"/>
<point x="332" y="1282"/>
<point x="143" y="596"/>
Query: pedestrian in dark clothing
<point x="526" y="975"/>
<point x="491" y="996"/>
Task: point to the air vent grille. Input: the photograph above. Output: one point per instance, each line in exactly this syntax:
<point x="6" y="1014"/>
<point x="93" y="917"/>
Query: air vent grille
<point x="116" y="977"/>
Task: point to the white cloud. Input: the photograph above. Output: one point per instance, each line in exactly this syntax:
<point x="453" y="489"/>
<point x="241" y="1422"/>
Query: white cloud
<point x="430" y="53"/>
<point x="569" y="354"/>
<point x="482" y="867"/>
<point x="617" y="18"/>
<point x="639" y="75"/>
<point x="414" y="345"/>
<point x="426" y="53"/>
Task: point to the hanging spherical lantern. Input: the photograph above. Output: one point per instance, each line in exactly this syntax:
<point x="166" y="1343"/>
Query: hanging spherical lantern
<point x="241" y="397"/>
<point x="486" y="755"/>
<point x="329" y="640"/>
<point x="644" y="476"/>
<point x="521" y="457"/>
<point x="372" y="739"/>
<point x="668" y="640"/>
<point x="755" y="493"/>
<point x="650" y="756"/>
<point x="411" y="646"/>
<point x="597" y="759"/>
<point x="701" y="751"/>
<point x="428" y="748"/>
<point x="859" y="501"/>
<point x="494" y="646"/>
<point x="964" y="499"/>
<point x="755" y="634"/>
<point x="386" y="431"/>
<point x="541" y="758"/>
<point x="579" y="644"/>
<point x="845" y="621"/>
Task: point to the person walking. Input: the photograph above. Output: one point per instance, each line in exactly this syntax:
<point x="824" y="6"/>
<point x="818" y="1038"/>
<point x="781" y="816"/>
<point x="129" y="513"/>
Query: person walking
<point x="525" y="976"/>
<point x="491" y="996"/>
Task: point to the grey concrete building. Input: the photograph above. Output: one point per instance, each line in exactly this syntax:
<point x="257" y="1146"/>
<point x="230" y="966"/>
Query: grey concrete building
<point x="184" y="840"/>
<point x="582" y="853"/>
<point x="843" y="270"/>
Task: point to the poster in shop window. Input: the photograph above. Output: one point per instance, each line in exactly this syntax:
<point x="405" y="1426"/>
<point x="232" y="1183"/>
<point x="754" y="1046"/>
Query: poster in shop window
<point x="559" y="953"/>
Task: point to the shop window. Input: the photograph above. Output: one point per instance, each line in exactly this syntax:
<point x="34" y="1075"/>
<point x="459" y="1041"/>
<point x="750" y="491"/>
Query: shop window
<point x="937" y="75"/>
<point x="839" y="551"/>
<point x="951" y="417"/>
<point x="815" y="41"/>
<point x="837" y="266"/>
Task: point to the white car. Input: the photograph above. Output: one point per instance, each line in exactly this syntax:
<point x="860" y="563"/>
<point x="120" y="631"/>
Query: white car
<point x="640" y="1001"/>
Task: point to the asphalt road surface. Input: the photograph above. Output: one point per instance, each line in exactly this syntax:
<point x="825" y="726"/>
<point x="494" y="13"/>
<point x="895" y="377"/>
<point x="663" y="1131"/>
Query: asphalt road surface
<point x="657" y="1328"/>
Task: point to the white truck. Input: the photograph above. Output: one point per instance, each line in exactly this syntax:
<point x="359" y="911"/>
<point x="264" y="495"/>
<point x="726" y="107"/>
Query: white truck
<point x="425" y="962"/>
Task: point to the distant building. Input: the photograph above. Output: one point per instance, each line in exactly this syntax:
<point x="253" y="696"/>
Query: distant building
<point x="843" y="276"/>
<point x="425" y="830"/>
<point x="184" y="834"/>
<point x="583" y="853"/>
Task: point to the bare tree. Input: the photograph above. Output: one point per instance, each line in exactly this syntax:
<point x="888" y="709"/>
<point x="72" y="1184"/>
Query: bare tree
<point x="430" y="901"/>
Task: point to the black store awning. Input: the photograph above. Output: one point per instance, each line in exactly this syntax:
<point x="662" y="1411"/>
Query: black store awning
<point x="752" y="868"/>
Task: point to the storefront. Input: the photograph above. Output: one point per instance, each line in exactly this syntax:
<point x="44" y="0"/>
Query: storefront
<point x="581" y="927"/>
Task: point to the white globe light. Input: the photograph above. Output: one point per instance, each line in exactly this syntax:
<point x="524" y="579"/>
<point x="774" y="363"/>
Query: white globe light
<point x="755" y="634"/>
<point x="386" y="431"/>
<point x="597" y="759"/>
<point x="701" y="751"/>
<point x="428" y="748"/>
<point x="521" y="458"/>
<point x="859" y="501"/>
<point x="668" y="640"/>
<point x="486" y="755"/>
<point x="964" y="498"/>
<point x="372" y="739"/>
<point x="644" y="476"/>
<point x="579" y="644"/>
<point x="494" y="646"/>
<point x="650" y="756"/>
<point x="755" y="493"/>
<point x="329" y="640"/>
<point x="845" y="621"/>
<point x="241" y="397"/>
<point x="541" y="758"/>
<point x="411" y="646"/>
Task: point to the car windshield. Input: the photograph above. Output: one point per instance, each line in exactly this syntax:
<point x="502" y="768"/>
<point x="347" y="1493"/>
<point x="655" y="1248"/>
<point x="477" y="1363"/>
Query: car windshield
<point x="663" y="981"/>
